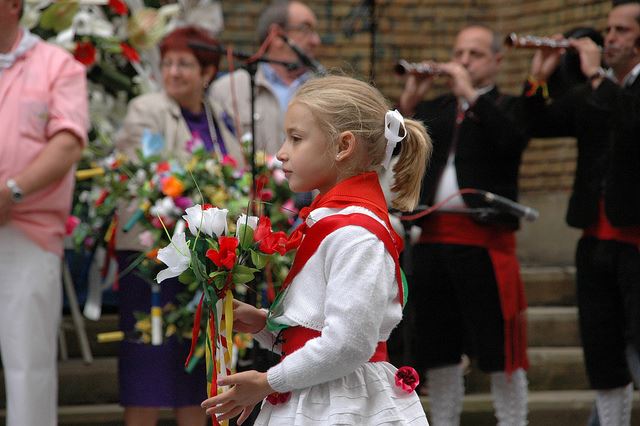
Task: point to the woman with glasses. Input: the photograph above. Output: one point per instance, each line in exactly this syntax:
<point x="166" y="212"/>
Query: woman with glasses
<point x="153" y="376"/>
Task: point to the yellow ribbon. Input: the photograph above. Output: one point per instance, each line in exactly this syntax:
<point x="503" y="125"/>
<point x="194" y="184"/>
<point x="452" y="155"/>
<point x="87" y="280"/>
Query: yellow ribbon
<point x="89" y="173"/>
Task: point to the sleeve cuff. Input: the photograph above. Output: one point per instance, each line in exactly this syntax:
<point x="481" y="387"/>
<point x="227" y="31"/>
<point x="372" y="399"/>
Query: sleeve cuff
<point x="71" y="127"/>
<point x="265" y="337"/>
<point x="276" y="379"/>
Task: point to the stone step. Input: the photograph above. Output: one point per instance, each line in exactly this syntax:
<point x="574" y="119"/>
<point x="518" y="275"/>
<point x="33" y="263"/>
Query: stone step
<point x="553" y="326"/>
<point x="97" y="383"/>
<point x="548" y="408"/>
<point x="549" y="285"/>
<point x="98" y="415"/>
<point x="567" y="408"/>
<point x="106" y="323"/>
<point x="550" y="369"/>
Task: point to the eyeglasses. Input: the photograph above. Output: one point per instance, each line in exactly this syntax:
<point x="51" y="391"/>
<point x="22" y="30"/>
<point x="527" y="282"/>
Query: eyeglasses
<point x="304" y="28"/>
<point x="180" y="65"/>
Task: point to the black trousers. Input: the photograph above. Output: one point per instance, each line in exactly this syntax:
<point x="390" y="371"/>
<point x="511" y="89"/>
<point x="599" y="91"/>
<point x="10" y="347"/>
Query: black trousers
<point x="458" y="307"/>
<point x="608" y="290"/>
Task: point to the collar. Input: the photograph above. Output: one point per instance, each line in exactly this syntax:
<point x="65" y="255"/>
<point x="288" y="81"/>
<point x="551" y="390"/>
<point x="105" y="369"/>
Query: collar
<point x="628" y="79"/>
<point x="272" y="77"/>
<point x="362" y="190"/>
<point x="464" y="104"/>
<point x="23" y="44"/>
<point x="631" y="78"/>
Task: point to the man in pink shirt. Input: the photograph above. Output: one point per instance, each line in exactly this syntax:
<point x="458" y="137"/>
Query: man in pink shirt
<point x="44" y="122"/>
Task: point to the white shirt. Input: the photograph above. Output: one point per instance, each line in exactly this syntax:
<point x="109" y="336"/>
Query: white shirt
<point x="448" y="183"/>
<point x="348" y="291"/>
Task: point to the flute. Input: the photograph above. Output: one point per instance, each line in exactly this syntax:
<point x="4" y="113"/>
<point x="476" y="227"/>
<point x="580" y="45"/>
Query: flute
<point x="403" y="67"/>
<point x="534" y="42"/>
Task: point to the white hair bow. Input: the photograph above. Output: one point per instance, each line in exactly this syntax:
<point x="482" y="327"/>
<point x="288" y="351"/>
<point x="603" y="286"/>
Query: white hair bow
<point x="393" y="121"/>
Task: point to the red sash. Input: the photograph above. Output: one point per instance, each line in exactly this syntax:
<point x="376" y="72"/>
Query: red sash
<point x="604" y="230"/>
<point x="293" y="338"/>
<point x="501" y="245"/>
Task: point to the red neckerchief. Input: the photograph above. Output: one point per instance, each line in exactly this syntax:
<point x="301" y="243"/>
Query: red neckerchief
<point x="362" y="190"/>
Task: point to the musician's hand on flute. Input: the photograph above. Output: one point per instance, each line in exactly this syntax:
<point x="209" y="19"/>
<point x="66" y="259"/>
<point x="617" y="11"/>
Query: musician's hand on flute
<point x="546" y="60"/>
<point x="590" y="55"/>
<point x="460" y="81"/>
<point x="415" y="87"/>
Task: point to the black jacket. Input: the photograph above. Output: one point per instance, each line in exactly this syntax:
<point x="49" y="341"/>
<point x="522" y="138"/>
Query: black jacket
<point x="488" y="147"/>
<point x="606" y="123"/>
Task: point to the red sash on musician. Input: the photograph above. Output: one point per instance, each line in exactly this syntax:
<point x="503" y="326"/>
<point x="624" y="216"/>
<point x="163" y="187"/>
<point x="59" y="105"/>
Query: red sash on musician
<point x="501" y="245"/>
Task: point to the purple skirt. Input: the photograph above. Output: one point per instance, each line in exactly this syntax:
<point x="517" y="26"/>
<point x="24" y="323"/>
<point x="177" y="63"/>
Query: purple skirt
<point x="154" y="376"/>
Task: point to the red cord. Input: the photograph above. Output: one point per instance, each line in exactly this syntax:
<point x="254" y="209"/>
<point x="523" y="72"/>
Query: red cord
<point x="439" y="205"/>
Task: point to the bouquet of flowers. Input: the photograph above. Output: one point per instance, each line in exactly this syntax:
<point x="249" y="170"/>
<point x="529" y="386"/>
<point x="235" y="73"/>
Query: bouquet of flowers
<point x="151" y="194"/>
<point x="216" y="261"/>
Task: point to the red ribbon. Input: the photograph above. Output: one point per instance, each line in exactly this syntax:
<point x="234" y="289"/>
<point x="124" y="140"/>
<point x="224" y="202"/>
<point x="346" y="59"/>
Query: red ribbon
<point x="195" y="331"/>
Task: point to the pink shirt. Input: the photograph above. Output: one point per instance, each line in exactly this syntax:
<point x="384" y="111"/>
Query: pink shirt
<point x="41" y="94"/>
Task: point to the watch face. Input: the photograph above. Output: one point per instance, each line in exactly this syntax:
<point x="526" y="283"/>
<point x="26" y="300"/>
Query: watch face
<point x="16" y="192"/>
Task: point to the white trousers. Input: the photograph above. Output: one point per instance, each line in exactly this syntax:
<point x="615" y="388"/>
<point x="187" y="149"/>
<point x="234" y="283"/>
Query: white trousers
<point x="30" y="311"/>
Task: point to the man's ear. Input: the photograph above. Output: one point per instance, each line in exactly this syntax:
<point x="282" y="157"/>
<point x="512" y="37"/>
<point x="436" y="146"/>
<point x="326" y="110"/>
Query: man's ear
<point x="347" y="144"/>
<point x="276" y="29"/>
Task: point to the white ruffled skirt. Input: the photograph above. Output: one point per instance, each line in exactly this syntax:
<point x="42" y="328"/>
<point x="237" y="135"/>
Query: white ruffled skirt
<point x="368" y="396"/>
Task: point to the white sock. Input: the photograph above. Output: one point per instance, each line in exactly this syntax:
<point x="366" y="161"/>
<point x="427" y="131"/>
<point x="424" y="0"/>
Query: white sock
<point x="510" y="397"/>
<point x="614" y="406"/>
<point x="446" y="390"/>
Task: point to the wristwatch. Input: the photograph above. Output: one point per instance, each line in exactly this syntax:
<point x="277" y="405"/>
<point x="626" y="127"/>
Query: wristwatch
<point x="16" y="192"/>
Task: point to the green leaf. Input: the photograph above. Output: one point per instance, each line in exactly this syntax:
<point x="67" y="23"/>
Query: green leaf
<point x="59" y="16"/>
<point x="243" y="274"/>
<point x="187" y="277"/>
<point x="259" y="259"/>
<point x="245" y="235"/>
<point x="198" y="268"/>
<point x="220" y="279"/>
<point x="217" y="273"/>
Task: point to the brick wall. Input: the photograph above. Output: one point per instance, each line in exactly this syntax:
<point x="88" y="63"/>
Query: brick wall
<point x="425" y="29"/>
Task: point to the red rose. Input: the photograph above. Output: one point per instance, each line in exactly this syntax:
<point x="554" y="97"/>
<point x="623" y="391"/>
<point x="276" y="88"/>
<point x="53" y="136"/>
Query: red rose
<point x="118" y="7"/>
<point x="129" y="52"/>
<point x="225" y="257"/>
<point x="274" y="242"/>
<point x="163" y="167"/>
<point x="263" y="230"/>
<point x="228" y="160"/>
<point x="85" y="53"/>
<point x="261" y="182"/>
<point x="407" y="379"/>
<point x="70" y="225"/>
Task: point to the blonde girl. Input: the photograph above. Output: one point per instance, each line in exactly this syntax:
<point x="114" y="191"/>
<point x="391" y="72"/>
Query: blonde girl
<point x="344" y="294"/>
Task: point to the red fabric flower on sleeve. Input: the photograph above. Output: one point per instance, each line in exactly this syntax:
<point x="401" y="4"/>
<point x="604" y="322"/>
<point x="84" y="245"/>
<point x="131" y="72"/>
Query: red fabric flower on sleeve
<point x="407" y="379"/>
<point x="225" y="257"/>
<point x="278" y="398"/>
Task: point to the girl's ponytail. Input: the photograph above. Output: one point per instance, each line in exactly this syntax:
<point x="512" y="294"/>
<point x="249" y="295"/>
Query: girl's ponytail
<point x="411" y="165"/>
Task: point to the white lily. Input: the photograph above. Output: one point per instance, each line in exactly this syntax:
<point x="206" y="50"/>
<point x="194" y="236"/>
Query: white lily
<point x="176" y="256"/>
<point x="212" y="221"/>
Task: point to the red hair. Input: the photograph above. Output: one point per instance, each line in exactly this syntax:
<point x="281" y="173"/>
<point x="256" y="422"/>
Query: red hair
<point x="180" y="38"/>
